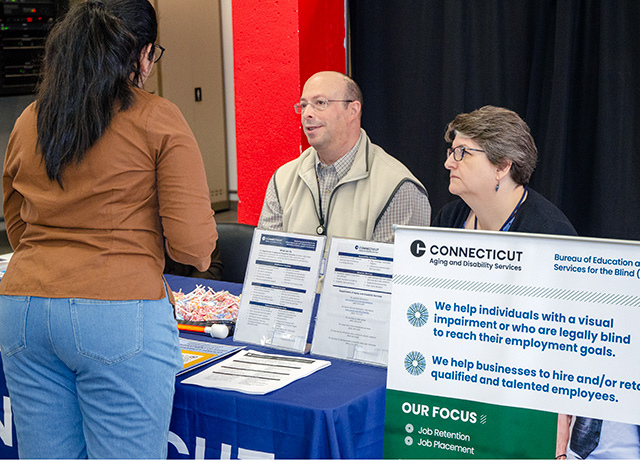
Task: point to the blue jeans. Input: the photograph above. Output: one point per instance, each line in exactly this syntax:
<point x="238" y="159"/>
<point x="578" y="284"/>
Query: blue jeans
<point x="90" y="378"/>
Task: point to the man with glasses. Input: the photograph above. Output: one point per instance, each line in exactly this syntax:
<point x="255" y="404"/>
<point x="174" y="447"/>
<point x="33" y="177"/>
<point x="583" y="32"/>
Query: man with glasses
<point x="343" y="185"/>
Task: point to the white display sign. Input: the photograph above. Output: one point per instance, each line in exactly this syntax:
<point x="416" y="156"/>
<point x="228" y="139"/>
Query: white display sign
<point x="279" y="289"/>
<point x="531" y="321"/>
<point x="353" y="314"/>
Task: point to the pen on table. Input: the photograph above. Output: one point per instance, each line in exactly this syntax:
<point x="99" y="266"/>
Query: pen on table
<point x="217" y="331"/>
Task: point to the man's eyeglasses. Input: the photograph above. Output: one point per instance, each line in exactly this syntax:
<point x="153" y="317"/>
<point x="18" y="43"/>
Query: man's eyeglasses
<point x="318" y="105"/>
<point x="458" y="152"/>
<point x="152" y="54"/>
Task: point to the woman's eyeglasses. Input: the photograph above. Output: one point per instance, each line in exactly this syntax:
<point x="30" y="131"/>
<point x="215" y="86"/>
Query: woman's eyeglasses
<point x="458" y="152"/>
<point x="152" y="54"/>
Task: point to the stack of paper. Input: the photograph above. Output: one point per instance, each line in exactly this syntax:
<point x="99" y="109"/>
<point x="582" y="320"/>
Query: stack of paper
<point x="196" y="353"/>
<point x="258" y="373"/>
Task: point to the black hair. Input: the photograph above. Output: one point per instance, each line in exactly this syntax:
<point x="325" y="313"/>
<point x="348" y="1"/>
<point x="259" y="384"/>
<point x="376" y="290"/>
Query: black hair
<point x="90" y="65"/>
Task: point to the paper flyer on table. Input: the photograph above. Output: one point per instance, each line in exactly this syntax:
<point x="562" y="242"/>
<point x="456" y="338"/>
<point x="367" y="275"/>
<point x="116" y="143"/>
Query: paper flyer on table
<point x="253" y="372"/>
<point x="279" y="289"/>
<point x="4" y="262"/>
<point x="499" y="332"/>
<point x="197" y="353"/>
<point x="353" y="313"/>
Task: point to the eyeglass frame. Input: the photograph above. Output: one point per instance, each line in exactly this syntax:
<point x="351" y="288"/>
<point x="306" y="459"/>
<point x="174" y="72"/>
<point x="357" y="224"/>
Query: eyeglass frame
<point x="153" y="52"/>
<point x="451" y="151"/>
<point x="316" y="104"/>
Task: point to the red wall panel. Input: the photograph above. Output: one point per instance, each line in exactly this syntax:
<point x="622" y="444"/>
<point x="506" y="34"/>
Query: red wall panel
<point x="277" y="45"/>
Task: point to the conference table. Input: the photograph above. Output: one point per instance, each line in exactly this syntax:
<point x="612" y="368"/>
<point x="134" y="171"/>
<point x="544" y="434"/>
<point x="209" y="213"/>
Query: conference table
<point x="336" y="412"/>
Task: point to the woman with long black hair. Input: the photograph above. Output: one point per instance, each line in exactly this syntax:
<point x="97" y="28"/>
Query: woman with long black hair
<point x="100" y="177"/>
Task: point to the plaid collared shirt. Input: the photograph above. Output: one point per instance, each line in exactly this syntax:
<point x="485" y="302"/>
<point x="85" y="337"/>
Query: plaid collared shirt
<point x="329" y="176"/>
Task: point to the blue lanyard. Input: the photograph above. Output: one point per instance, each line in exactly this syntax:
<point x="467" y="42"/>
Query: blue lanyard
<point x="507" y="223"/>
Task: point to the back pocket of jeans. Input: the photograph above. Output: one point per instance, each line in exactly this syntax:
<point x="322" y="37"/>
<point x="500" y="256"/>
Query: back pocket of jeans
<point x="107" y="331"/>
<point x="13" y="323"/>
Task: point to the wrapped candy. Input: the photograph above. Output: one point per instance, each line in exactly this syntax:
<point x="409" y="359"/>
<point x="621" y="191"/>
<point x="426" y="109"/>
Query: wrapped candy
<point x="203" y="304"/>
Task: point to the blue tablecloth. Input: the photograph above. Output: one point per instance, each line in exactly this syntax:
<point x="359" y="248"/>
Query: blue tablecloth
<point x="337" y="412"/>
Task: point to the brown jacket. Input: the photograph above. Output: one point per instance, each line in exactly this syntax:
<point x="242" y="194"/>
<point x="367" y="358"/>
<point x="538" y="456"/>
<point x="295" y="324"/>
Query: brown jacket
<point x="141" y="186"/>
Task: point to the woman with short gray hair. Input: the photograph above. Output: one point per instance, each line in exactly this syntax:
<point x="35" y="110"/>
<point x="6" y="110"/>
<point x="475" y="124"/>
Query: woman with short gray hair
<point x="490" y="162"/>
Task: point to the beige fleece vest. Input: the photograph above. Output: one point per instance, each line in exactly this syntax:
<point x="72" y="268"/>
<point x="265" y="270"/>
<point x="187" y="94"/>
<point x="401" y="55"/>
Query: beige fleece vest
<point x="356" y="203"/>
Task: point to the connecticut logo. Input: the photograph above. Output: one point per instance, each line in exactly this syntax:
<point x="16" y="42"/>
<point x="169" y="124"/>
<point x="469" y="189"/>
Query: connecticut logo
<point x="417" y="314"/>
<point x="414" y="363"/>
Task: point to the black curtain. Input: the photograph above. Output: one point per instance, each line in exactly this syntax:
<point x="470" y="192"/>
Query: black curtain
<point x="569" y="68"/>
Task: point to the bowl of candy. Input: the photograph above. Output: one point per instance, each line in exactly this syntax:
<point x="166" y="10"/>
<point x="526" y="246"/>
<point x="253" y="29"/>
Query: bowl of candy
<point x="205" y="307"/>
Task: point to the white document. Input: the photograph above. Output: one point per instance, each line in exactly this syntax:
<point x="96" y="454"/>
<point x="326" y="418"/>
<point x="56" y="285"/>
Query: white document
<point x="532" y="321"/>
<point x="4" y="262"/>
<point x="353" y="314"/>
<point x="257" y="373"/>
<point x="279" y="289"/>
